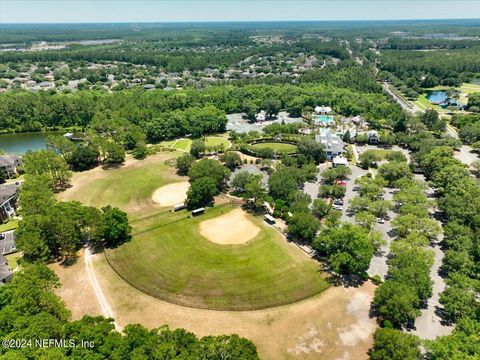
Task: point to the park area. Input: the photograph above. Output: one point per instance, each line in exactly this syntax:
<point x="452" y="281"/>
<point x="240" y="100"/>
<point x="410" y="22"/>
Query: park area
<point x="224" y="259"/>
<point x="277" y="147"/>
<point x="186" y="144"/>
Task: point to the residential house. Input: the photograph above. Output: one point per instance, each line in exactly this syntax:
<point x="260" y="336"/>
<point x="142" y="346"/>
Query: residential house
<point x="323" y="110"/>
<point x="333" y="145"/>
<point x="9" y="164"/>
<point x="8" y="201"/>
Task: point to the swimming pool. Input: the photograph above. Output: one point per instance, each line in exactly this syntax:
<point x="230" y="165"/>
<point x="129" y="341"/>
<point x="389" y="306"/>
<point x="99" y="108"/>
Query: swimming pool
<point x="324" y="119"/>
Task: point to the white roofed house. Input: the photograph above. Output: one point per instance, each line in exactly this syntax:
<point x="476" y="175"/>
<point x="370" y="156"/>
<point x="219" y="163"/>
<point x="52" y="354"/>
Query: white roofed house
<point x="323" y="110"/>
<point x="333" y="145"/>
<point x="373" y="137"/>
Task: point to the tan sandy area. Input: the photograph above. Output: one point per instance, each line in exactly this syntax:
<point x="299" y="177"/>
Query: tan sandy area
<point x="171" y="194"/>
<point x="229" y="229"/>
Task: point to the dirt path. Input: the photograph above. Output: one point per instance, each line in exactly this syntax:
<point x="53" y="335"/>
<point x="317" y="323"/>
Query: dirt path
<point x="102" y="301"/>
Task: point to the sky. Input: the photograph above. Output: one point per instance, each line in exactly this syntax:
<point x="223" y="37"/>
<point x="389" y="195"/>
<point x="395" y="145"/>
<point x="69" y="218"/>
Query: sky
<point x="89" y="11"/>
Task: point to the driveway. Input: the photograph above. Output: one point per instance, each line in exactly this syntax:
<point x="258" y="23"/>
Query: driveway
<point x="350" y="194"/>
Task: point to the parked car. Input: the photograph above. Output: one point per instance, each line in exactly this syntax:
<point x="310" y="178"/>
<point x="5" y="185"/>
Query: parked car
<point x="2" y="236"/>
<point x="380" y="221"/>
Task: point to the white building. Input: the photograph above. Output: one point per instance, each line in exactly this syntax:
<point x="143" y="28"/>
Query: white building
<point x="323" y="110"/>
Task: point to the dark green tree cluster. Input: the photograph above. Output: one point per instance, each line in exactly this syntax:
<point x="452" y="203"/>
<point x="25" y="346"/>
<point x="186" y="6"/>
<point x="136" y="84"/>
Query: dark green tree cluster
<point x="207" y="178"/>
<point x="31" y="310"/>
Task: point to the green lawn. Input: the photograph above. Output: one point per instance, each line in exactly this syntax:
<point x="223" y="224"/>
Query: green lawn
<point x="126" y="185"/>
<point x="170" y="260"/>
<point x="9" y="225"/>
<point x="12" y="259"/>
<point x="277" y="147"/>
<point x="215" y="141"/>
<point x="183" y="144"/>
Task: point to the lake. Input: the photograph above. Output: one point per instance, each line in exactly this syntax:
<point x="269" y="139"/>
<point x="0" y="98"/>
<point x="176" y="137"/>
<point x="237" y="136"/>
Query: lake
<point x="21" y="142"/>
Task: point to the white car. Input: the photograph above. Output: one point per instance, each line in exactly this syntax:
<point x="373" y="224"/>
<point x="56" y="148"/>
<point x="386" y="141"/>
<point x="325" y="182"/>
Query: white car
<point x="380" y="221"/>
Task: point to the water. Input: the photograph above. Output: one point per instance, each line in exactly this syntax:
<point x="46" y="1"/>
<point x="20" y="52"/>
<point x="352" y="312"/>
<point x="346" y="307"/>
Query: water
<point x="437" y="97"/>
<point x="324" y="119"/>
<point x="21" y="142"/>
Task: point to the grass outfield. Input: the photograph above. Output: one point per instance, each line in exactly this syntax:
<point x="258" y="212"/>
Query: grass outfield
<point x="126" y="187"/>
<point x="170" y="260"/>
<point x="277" y="147"/>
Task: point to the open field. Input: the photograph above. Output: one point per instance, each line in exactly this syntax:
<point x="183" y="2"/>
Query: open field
<point x="129" y="187"/>
<point x="170" y="260"/>
<point x="183" y="144"/>
<point x="333" y="325"/>
<point x="277" y="147"/>
<point x="216" y="141"/>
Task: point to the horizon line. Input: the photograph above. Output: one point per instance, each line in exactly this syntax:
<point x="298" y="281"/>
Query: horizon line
<point x="231" y="21"/>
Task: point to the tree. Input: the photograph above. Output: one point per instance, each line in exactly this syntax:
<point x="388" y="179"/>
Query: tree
<point x="394" y="344"/>
<point x="367" y="158"/>
<point x="60" y="144"/>
<point x="396" y="302"/>
<point x="347" y="248"/>
<point x="241" y="179"/>
<point x="255" y="191"/>
<point x="183" y="163"/>
<point x="209" y="168"/>
<point x="272" y="107"/>
<point x="394" y="171"/>
<point x="303" y="225"/>
<point x="198" y="148"/>
<point x="48" y="163"/>
<point x="201" y="192"/>
<point x="232" y="160"/>
<point x="311" y="149"/>
<point x="114" y="154"/>
<point x="320" y="208"/>
<point x="283" y="184"/>
<point x="116" y="229"/>
<point x="84" y="157"/>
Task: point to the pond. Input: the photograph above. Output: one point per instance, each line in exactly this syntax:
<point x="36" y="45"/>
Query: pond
<point x="437" y="97"/>
<point x="19" y="143"/>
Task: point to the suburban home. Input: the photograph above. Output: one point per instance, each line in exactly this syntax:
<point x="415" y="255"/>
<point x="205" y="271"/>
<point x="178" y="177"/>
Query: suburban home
<point x="323" y="110"/>
<point x="8" y="201"/>
<point x="9" y="164"/>
<point x="373" y="137"/>
<point x="333" y="145"/>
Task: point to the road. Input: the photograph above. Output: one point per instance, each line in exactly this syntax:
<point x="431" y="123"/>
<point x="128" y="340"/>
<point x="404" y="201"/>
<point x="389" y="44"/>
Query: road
<point x="465" y="154"/>
<point x="102" y="301"/>
<point x="429" y="325"/>
<point x="411" y="108"/>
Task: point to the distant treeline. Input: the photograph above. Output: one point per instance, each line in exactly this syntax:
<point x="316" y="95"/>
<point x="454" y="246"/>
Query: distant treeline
<point x="165" y="114"/>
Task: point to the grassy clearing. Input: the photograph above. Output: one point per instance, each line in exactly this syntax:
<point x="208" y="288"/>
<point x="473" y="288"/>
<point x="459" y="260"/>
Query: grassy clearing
<point x="9" y="225"/>
<point x="216" y="141"/>
<point x="12" y="259"/>
<point x="277" y="147"/>
<point x="170" y="260"/>
<point x="183" y="144"/>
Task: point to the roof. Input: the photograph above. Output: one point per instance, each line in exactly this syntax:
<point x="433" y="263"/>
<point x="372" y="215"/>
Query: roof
<point x="330" y="142"/>
<point x="9" y="160"/>
<point x="325" y="109"/>
<point x="7" y="191"/>
<point x="340" y="160"/>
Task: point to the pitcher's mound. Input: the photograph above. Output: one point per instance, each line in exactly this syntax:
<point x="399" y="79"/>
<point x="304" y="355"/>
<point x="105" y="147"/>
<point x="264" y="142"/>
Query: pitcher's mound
<point x="229" y="229"/>
<point x="171" y="194"/>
